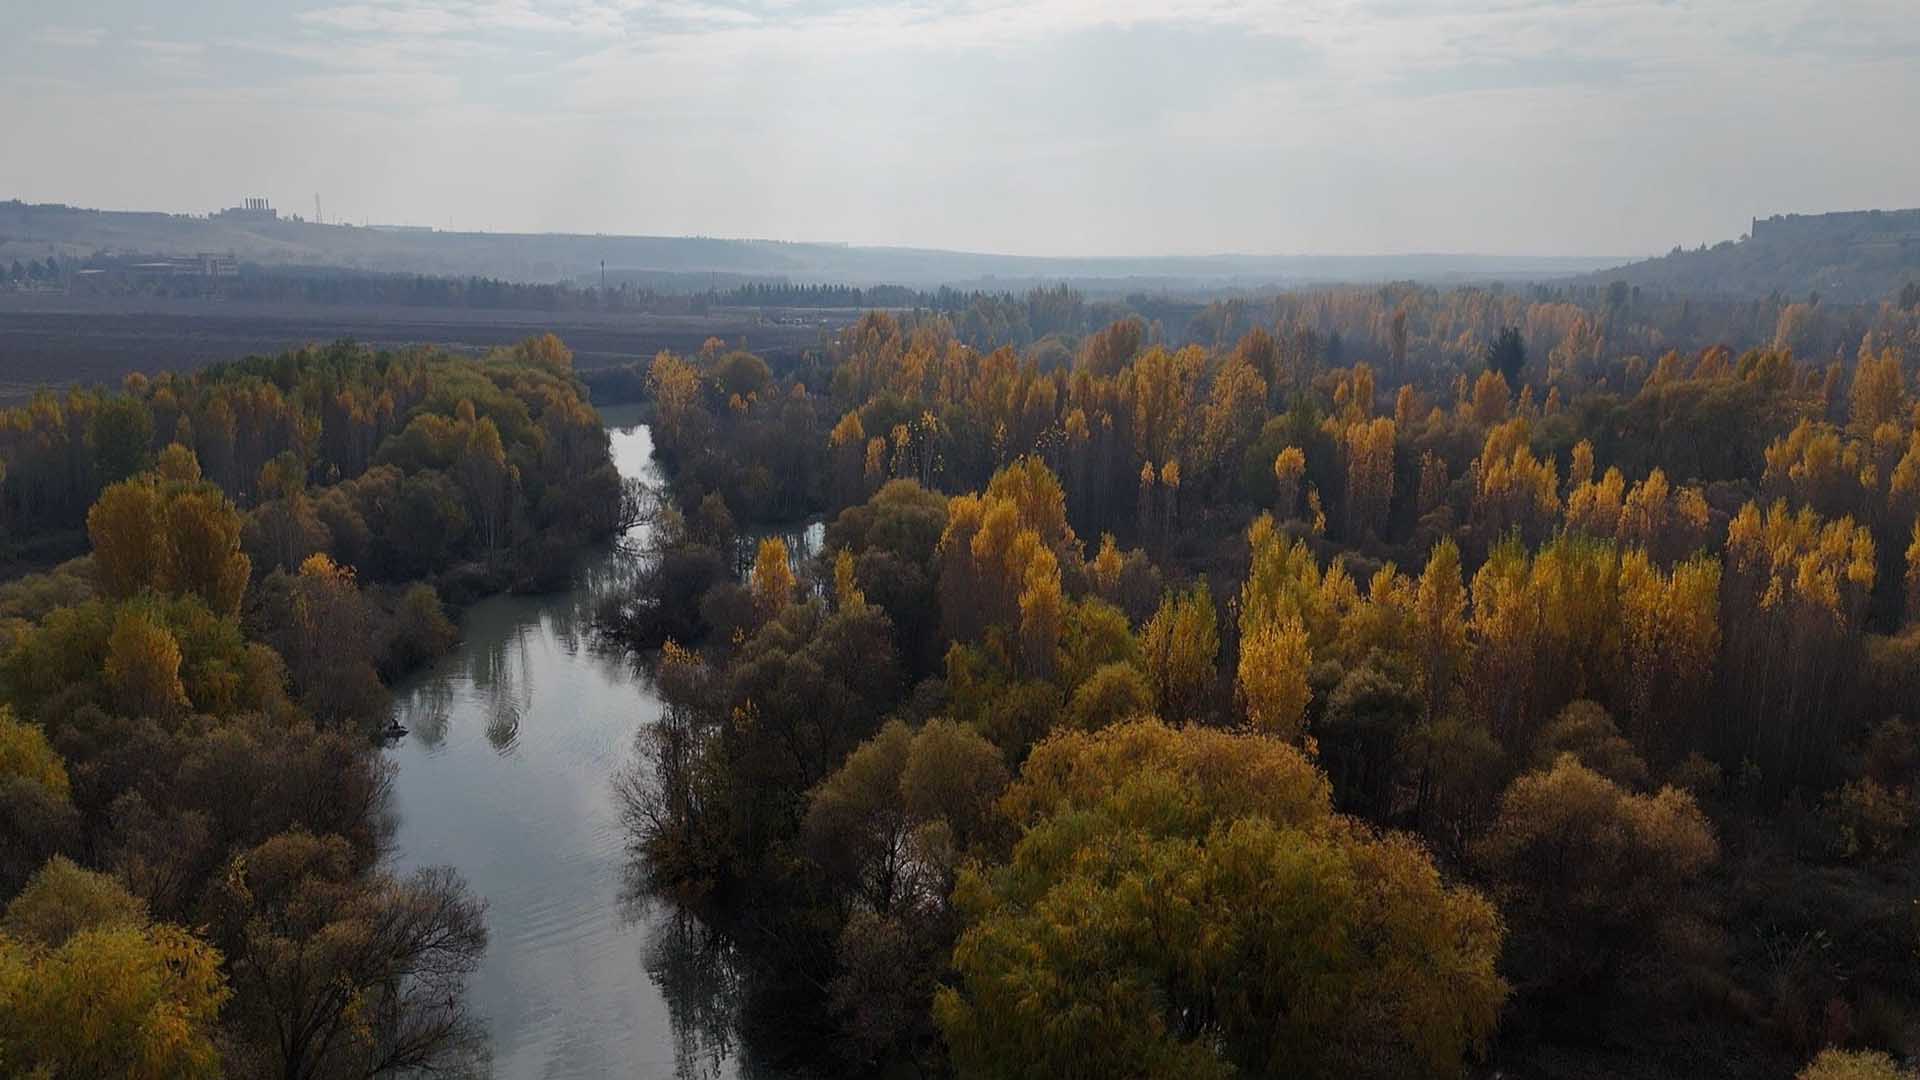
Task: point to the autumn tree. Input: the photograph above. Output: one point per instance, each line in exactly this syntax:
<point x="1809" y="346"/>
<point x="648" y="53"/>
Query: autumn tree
<point x="143" y="667"/>
<point x="1514" y="490"/>
<point x="1179" y="646"/>
<point x="37" y="816"/>
<point x="170" y="537"/>
<point x="1184" y="903"/>
<point x="1289" y="470"/>
<point x="1595" y="875"/>
<point x="327" y="628"/>
<point x="1440" y="626"/>
<point x="545" y="351"/>
<point x="342" y="972"/>
<point x="1836" y="1064"/>
<point x="772" y="579"/>
<point x="1369" y="449"/>
<point x="891" y="824"/>
<point x="1794" y="594"/>
<point x="88" y="987"/>
<point x="1272" y="681"/>
<point x="1001" y="558"/>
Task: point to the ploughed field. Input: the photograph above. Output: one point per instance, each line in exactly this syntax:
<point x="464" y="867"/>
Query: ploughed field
<point x="55" y="340"/>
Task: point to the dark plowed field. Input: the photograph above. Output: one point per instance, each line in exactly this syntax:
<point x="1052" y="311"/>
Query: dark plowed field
<point x="56" y="340"/>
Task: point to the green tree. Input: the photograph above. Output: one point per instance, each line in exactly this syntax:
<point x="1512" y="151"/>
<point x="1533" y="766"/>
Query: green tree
<point x="122" y="437"/>
<point x="1506" y="356"/>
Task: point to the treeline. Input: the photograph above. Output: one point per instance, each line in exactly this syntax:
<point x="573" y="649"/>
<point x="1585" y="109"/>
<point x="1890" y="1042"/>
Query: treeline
<point x="1544" y="710"/>
<point x="192" y="811"/>
<point x="403" y="465"/>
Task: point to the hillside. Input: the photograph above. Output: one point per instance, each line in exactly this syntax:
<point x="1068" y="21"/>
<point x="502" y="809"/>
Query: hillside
<point x="1857" y="256"/>
<point x="38" y="230"/>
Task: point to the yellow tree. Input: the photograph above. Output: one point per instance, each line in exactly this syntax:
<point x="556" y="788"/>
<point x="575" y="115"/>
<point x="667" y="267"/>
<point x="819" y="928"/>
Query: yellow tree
<point x="1180" y="645"/>
<point x="1440" y="625"/>
<point x="1003" y="550"/>
<point x="129" y="542"/>
<point x="1369" y="476"/>
<point x="1879" y="394"/>
<point x="203" y="549"/>
<point x="772" y="580"/>
<point x="25" y="753"/>
<point x="546" y="351"/>
<point x="1670" y="629"/>
<point x="1913" y="575"/>
<point x="675" y="385"/>
<point x="1042" y="609"/>
<point x="89" y="988"/>
<point x="143" y="666"/>
<point x="1514" y="490"/>
<point x="1289" y="471"/>
<point x="846" y="587"/>
<point x="1794" y="599"/>
<point x="1274" y="661"/>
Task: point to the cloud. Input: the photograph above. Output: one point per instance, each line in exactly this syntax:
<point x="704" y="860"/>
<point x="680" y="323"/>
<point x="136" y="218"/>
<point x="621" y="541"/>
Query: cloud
<point x="71" y="37"/>
<point x="1037" y="125"/>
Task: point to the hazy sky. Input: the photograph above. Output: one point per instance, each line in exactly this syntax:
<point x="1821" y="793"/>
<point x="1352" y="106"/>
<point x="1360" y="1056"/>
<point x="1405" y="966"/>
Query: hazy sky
<point x="1022" y="126"/>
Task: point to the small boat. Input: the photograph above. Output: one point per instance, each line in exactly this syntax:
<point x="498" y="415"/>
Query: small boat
<point x="394" y="730"/>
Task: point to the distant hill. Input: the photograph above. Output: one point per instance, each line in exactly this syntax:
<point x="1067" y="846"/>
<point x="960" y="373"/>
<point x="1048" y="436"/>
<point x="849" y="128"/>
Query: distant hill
<point x="1857" y="256"/>
<point x="38" y="230"/>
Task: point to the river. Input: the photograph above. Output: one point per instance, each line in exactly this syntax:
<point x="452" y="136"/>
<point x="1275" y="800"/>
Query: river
<point x="507" y="774"/>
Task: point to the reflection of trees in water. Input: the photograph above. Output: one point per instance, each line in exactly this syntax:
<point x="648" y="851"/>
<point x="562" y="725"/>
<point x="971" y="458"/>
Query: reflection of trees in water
<point x="424" y="711"/>
<point x="727" y="1011"/>
<point x="698" y="974"/>
<point x="613" y="573"/>
<point x="502" y="671"/>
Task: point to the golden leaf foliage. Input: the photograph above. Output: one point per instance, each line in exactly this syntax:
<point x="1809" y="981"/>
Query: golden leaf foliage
<point x="1274" y="661"/>
<point x="772" y="580"/>
<point x="25" y="753"/>
<point x="143" y="666"/>
<point x="1209" y="875"/>
<point x="89" y="988"/>
<point x="1179" y="647"/>
<point x="170" y="537"/>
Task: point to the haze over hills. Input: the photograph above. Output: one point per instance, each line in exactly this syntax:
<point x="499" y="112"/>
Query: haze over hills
<point x="37" y="230"/>
<point x="1854" y="256"/>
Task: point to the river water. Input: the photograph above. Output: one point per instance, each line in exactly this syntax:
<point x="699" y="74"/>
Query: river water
<point x="507" y="774"/>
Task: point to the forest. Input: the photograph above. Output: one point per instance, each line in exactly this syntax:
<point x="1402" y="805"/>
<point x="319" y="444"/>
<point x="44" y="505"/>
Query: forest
<point x="1389" y="682"/>
<point x="1364" y="681"/>
<point x="192" y="815"/>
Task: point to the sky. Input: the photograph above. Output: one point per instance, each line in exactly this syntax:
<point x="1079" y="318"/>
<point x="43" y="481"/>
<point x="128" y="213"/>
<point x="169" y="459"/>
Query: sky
<point x="1042" y="127"/>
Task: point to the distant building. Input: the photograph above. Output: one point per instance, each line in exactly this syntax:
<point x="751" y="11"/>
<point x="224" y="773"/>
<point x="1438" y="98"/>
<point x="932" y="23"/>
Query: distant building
<point x="249" y="210"/>
<point x="141" y="273"/>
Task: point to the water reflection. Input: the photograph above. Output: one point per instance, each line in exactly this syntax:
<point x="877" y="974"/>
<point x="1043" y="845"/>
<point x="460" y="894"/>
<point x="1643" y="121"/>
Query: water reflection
<point x="423" y="712"/>
<point x="507" y="774"/>
<point x="698" y="975"/>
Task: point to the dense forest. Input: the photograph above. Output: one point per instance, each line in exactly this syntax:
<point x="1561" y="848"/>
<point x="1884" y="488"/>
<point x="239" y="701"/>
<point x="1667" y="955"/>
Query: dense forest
<point x="192" y="809"/>
<point x="1379" y="681"/>
<point x="1385" y="682"/>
